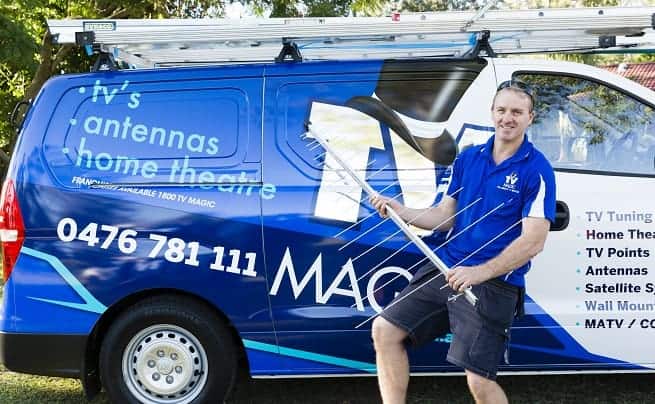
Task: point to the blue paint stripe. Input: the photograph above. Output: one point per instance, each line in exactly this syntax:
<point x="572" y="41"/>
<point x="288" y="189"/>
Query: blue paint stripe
<point x="76" y="306"/>
<point x="90" y="304"/>
<point x="93" y="305"/>
<point x="312" y="356"/>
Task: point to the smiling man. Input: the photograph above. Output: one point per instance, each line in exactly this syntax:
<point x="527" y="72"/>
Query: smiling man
<point x="504" y="191"/>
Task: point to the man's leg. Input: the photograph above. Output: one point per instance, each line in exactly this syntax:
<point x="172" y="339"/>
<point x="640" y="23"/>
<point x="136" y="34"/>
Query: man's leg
<point x="485" y="391"/>
<point x="391" y="360"/>
<point x="480" y="337"/>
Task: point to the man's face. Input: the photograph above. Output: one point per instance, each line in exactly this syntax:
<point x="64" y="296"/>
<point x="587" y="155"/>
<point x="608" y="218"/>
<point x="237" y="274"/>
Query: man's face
<point x="511" y="115"/>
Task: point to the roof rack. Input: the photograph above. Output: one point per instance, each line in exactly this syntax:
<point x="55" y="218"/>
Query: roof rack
<point x="172" y="42"/>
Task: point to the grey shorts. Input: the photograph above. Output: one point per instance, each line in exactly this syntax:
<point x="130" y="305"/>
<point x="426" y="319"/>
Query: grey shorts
<point x="479" y="334"/>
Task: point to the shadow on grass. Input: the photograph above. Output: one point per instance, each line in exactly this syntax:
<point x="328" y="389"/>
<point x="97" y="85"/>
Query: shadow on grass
<point x="18" y="388"/>
<point x="578" y="389"/>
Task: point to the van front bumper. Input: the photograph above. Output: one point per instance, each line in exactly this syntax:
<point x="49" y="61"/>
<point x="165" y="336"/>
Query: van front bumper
<point x="43" y="354"/>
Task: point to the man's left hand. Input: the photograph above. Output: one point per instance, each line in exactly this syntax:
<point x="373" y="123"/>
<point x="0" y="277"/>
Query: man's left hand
<point x="461" y="278"/>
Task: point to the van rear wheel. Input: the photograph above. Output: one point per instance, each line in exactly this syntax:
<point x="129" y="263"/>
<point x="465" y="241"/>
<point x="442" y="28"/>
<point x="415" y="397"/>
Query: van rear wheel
<point x="168" y="350"/>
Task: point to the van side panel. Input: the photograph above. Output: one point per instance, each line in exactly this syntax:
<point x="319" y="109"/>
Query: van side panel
<point x="141" y="182"/>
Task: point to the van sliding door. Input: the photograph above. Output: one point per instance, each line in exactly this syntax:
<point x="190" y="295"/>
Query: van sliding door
<point x="332" y="263"/>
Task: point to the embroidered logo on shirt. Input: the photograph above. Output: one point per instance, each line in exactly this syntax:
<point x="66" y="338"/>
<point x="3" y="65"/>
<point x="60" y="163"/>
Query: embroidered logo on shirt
<point x="510" y="183"/>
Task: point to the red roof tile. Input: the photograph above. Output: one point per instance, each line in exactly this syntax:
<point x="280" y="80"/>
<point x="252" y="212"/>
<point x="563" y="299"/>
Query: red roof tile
<point x="642" y="73"/>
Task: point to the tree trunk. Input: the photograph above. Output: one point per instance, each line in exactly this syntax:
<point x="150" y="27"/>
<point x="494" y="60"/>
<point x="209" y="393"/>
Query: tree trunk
<point x="45" y="68"/>
<point x="43" y="73"/>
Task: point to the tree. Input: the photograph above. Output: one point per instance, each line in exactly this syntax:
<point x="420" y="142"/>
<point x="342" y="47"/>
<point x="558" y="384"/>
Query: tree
<point x="17" y="60"/>
<point x="439" y="5"/>
<point x="316" y="8"/>
<point x="28" y="56"/>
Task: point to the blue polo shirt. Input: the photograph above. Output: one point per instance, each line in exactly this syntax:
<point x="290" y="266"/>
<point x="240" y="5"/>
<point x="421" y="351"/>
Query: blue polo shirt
<point x="494" y="199"/>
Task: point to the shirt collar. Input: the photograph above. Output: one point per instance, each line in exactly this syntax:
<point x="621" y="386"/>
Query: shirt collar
<point x="522" y="153"/>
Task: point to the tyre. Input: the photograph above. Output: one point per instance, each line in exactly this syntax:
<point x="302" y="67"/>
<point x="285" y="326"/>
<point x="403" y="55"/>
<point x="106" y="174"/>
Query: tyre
<point x="168" y="350"/>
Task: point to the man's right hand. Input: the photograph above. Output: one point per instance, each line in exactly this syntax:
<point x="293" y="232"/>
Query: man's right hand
<point x="380" y="204"/>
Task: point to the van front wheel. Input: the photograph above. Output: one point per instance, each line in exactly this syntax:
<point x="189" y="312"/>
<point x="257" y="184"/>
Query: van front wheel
<point x="168" y="350"/>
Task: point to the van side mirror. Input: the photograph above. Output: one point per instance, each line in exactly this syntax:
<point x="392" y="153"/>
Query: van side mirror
<point x="18" y="114"/>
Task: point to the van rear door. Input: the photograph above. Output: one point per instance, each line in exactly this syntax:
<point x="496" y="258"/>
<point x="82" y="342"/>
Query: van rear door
<point x="137" y="182"/>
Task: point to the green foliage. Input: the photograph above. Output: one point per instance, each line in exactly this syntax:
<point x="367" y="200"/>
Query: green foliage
<point x="605" y="111"/>
<point x="602" y="59"/>
<point x="27" y="58"/>
<point x="21" y="27"/>
<point x="17" y="47"/>
<point x="439" y="5"/>
<point x="327" y="8"/>
<point x="600" y="3"/>
<point x="540" y="389"/>
<point x="316" y="8"/>
<point x="560" y="3"/>
<point x="282" y="8"/>
<point x="192" y="8"/>
<point x="368" y="7"/>
<point x="422" y="6"/>
<point x="18" y="57"/>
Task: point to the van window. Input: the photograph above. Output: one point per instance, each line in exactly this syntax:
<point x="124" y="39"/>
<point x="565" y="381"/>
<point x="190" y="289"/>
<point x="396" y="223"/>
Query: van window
<point x="143" y="134"/>
<point x="583" y="124"/>
<point x="375" y="123"/>
<point x="360" y="111"/>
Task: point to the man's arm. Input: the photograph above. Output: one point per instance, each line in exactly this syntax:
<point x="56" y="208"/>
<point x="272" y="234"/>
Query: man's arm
<point x="439" y="217"/>
<point x="516" y="254"/>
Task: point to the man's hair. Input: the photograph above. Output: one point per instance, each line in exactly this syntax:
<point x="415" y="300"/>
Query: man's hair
<point x="516" y="86"/>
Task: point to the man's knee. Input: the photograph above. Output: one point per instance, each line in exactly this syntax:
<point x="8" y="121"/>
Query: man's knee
<point x="386" y="333"/>
<point x="480" y="386"/>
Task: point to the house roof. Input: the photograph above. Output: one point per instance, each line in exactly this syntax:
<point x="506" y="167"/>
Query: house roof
<point x="642" y="73"/>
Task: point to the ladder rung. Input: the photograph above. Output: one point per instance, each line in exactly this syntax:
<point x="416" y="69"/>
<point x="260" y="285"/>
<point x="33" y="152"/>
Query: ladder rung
<point x="626" y="19"/>
<point x="146" y="43"/>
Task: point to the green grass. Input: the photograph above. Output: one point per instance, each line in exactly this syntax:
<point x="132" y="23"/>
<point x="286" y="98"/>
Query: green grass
<point x="20" y="388"/>
<point x="578" y="389"/>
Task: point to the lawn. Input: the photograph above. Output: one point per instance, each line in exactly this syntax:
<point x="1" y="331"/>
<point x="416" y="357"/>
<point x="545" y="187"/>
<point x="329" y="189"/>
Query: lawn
<point x="579" y="389"/>
<point x="17" y="388"/>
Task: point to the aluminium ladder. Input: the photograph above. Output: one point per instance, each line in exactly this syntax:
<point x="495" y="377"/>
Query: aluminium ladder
<point x="172" y="42"/>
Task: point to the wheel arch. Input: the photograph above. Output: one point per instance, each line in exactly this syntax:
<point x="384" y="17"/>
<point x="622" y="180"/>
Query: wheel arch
<point x="90" y="375"/>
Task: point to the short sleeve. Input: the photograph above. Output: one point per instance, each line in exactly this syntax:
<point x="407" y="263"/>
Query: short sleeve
<point x="455" y="178"/>
<point x="540" y="196"/>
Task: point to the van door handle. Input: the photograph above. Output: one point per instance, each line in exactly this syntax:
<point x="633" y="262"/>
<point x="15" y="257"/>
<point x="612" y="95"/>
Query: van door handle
<point x="562" y="216"/>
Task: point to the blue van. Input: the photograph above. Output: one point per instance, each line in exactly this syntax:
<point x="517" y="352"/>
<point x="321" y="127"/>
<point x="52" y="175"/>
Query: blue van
<point x="163" y="230"/>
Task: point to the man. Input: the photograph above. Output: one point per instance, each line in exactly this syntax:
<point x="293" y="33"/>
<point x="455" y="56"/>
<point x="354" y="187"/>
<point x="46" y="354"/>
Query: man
<point x="499" y="206"/>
